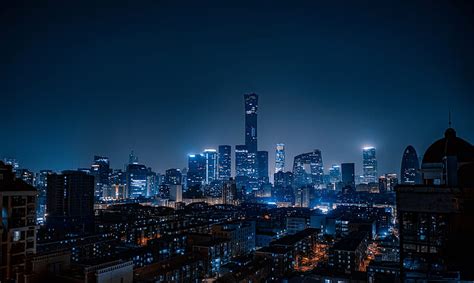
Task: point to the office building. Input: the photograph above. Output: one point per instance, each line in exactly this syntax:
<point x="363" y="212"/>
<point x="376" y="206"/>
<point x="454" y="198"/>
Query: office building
<point x="410" y="168"/>
<point x="136" y="180"/>
<point x="173" y="176"/>
<point x="308" y="169"/>
<point x="280" y="157"/>
<point x="196" y="175"/>
<point x="262" y="167"/>
<point x="176" y="193"/>
<point x="211" y="165"/>
<point x="369" y="163"/>
<point x="100" y="169"/>
<point x="251" y="111"/>
<point x="225" y="162"/>
<point x="70" y="202"/>
<point x="348" y="175"/>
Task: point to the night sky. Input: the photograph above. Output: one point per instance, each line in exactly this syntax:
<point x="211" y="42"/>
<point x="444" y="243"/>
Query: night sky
<point x="167" y="78"/>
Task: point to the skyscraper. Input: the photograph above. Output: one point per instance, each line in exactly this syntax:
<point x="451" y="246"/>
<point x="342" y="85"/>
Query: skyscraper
<point x="41" y="186"/>
<point x="262" y="167"/>
<point x="100" y="169"/>
<point x="335" y="174"/>
<point x="280" y="157"/>
<point x="251" y="109"/>
<point x="369" y="165"/>
<point x="132" y="159"/>
<point x="70" y="202"/>
<point x="136" y="180"/>
<point x="173" y="176"/>
<point x="410" y="168"/>
<point x="225" y="163"/>
<point x="308" y="169"/>
<point x="241" y="166"/>
<point x="348" y="175"/>
<point x="196" y="170"/>
<point x="211" y="165"/>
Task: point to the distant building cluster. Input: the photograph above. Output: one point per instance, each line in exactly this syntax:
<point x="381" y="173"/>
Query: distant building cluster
<point x="210" y="223"/>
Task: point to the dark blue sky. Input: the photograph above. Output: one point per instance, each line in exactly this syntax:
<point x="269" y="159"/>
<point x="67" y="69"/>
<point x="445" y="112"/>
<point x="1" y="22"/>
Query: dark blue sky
<point x="167" y="78"/>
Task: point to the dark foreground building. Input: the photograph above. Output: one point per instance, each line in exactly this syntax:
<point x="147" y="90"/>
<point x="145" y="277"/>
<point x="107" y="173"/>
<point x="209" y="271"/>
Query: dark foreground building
<point x="437" y="218"/>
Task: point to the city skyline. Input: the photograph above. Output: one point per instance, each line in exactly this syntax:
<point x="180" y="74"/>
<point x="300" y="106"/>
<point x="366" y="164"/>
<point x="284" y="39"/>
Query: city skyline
<point x="329" y="79"/>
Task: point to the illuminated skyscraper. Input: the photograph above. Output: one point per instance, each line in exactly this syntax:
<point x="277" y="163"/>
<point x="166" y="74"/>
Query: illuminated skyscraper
<point x="136" y="180"/>
<point x="369" y="165"/>
<point x="335" y="174"/>
<point x="173" y="176"/>
<point x="280" y="157"/>
<point x="251" y="109"/>
<point x="211" y="165"/>
<point x="100" y="169"/>
<point x="196" y="170"/>
<point x="241" y="166"/>
<point x="262" y="165"/>
<point x="410" y="169"/>
<point x="132" y="159"/>
<point x="225" y="163"/>
<point x="308" y="169"/>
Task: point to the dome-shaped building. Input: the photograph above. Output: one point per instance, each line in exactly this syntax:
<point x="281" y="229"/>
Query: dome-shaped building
<point x="443" y="160"/>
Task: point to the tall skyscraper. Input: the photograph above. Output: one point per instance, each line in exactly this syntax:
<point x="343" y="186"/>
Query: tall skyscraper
<point x="369" y="165"/>
<point x="173" y="176"/>
<point x="251" y="109"/>
<point x="308" y="169"/>
<point x="410" y="168"/>
<point x="211" y="165"/>
<point x="41" y="186"/>
<point x="225" y="163"/>
<point x="18" y="218"/>
<point x="335" y="174"/>
<point x="136" y="180"/>
<point x="280" y="157"/>
<point x="196" y="170"/>
<point x="262" y="167"/>
<point x="132" y="159"/>
<point x="100" y="169"/>
<point x="70" y="202"/>
<point x="241" y="166"/>
<point x="348" y="175"/>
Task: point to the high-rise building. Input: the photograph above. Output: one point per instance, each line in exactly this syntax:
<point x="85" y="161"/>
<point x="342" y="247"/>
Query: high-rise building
<point x="348" y="175"/>
<point x="70" y="202"/>
<point x="100" y="169"/>
<point x="308" y="169"/>
<point x="280" y="157"/>
<point x="388" y="182"/>
<point x="229" y="192"/>
<point x="173" y="176"/>
<point x="251" y="110"/>
<point x="136" y="180"/>
<point x="225" y="163"/>
<point x="152" y="183"/>
<point x="436" y="217"/>
<point x="118" y="186"/>
<point x="335" y="174"/>
<point x="196" y="170"/>
<point x="211" y="165"/>
<point x="18" y="218"/>
<point x="41" y="186"/>
<point x="241" y="166"/>
<point x="176" y="193"/>
<point x="283" y="179"/>
<point x="410" y="168"/>
<point x="369" y="165"/>
<point x="262" y="167"/>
